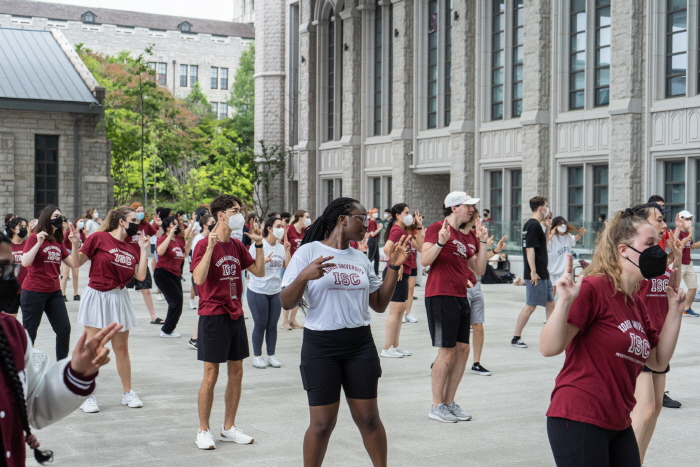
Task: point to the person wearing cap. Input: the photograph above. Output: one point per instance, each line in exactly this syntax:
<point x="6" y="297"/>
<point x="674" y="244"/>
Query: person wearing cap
<point x="684" y="233"/>
<point x="538" y="286"/>
<point x="445" y="250"/>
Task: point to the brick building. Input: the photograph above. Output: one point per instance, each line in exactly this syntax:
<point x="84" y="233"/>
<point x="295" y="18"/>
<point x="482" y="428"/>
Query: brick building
<point x="52" y="148"/>
<point x="592" y="103"/>
<point x="185" y="50"/>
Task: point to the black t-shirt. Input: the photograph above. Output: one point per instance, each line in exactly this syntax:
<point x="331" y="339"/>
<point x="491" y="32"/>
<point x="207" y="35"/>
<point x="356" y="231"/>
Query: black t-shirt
<point x="533" y="237"/>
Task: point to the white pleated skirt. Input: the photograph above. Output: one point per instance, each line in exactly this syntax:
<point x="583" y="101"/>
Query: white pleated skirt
<point x="100" y="309"/>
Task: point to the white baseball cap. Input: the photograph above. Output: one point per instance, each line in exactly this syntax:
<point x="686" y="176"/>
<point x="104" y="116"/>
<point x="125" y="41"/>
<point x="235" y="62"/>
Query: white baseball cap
<point x="685" y="214"/>
<point x="459" y="197"/>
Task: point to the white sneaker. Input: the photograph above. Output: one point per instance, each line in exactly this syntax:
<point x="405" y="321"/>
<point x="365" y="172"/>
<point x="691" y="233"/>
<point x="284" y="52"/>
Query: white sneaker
<point x="160" y="297"/>
<point x="391" y="352"/>
<point x="90" y="405"/>
<point x="273" y="362"/>
<point x="193" y="305"/>
<point x="409" y="318"/>
<point x="404" y="352"/>
<point x="205" y="440"/>
<point x="258" y="362"/>
<point x="132" y="400"/>
<point x="235" y="436"/>
<point x="172" y="334"/>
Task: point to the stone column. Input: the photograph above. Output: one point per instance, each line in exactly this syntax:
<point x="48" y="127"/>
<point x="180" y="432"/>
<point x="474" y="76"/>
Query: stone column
<point x="536" y="101"/>
<point x="307" y="109"/>
<point x="7" y="173"/>
<point x="270" y="102"/>
<point x="626" y="161"/>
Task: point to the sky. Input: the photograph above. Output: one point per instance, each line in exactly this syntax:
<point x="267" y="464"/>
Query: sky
<point x="207" y="9"/>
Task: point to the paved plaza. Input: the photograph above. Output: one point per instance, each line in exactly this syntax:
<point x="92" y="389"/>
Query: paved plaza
<point x="508" y="408"/>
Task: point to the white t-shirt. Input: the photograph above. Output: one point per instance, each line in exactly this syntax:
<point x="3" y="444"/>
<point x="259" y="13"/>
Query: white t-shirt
<point x="237" y="234"/>
<point x="91" y="226"/>
<point x="340" y="299"/>
<point x="197" y="229"/>
<point x="557" y="248"/>
<point x="271" y="283"/>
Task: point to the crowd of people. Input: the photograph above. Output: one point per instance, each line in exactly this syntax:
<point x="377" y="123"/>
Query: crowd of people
<point x="618" y="321"/>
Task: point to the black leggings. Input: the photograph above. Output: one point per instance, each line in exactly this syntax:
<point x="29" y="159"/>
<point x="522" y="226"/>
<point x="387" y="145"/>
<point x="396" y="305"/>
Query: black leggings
<point x="171" y="286"/>
<point x="373" y="253"/>
<point x="34" y="305"/>
<point x="578" y="444"/>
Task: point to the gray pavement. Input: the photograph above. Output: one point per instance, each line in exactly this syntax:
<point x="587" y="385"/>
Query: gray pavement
<point x="508" y="408"/>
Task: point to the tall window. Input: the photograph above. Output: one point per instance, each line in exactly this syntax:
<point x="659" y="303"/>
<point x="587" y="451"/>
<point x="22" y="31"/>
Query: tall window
<point x="674" y="187"/>
<point x="223" y="110"/>
<point x="334" y="189"/>
<point x="496" y="195"/>
<point x="676" y="47"/>
<point x="518" y="32"/>
<point x="600" y="191"/>
<point x="215" y="108"/>
<point x="214" y="77"/>
<point x="377" y="193"/>
<point x="432" y="63"/>
<point x="378" y="59"/>
<point x="498" y="52"/>
<point x="448" y="62"/>
<point x="194" y="73"/>
<point x="223" y="78"/>
<point x="516" y="195"/>
<point x="183" y="76"/>
<point x="331" y="78"/>
<point x="161" y="70"/>
<point x="577" y="65"/>
<point x="334" y="77"/>
<point x="575" y="211"/>
<point x="45" y="172"/>
<point x="390" y="84"/>
<point x="602" y="52"/>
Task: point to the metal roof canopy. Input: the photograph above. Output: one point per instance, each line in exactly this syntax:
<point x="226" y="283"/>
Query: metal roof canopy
<point x="35" y="74"/>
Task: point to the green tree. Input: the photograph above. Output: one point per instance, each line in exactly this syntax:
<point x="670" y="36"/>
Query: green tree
<point x="242" y="98"/>
<point x="264" y="168"/>
<point x="198" y="104"/>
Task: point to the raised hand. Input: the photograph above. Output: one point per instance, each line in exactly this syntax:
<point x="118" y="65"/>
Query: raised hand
<point x="89" y="356"/>
<point x="315" y="269"/>
<point x="255" y="233"/>
<point x="582" y="231"/>
<point x="287" y="245"/>
<point x="144" y="242"/>
<point x="40" y="237"/>
<point x="444" y="233"/>
<point x="73" y="235"/>
<point x="157" y="220"/>
<point x="268" y="258"/>
<point x="676" y="295"/>
<point x="502" y="243"/>
<point x="418" y="219"/>
<point x="489" y="242"/>
<point x="566" y="287"/>
<point x="399" y="251"/>
<point x="213" y="238"/>
<point x="481" y="231"/>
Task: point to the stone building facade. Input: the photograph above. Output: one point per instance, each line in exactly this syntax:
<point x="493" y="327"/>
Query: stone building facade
<point x="184" y="50"/>
<point x="592" y="103"/>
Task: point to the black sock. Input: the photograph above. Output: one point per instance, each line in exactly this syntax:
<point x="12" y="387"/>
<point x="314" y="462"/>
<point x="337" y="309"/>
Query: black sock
<point x="476" y="364"/>
<point x="516" y="337"/>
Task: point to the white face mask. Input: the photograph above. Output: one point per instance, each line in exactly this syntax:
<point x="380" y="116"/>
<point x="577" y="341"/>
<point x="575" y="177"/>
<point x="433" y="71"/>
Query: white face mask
<point x="95" y="215"/>
<point x="387" y="215"/>
<point x="236" y="222"/>
<point x="408" y="219"/>
<point x="563" y="228"/>
<point x="278" y="232"/>
<point x="546" y="212"/>
<point x="81" y="225"/>
<point x="307" y="222"/>
<point x="375" y="215"/>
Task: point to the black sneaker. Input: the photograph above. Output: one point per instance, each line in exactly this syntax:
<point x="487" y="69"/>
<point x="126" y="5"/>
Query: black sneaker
<point x="518" y="343"/>
<point x="65" y="299"/>
<point x="193" y="343"/>
<point x="480" y="370"/>
<point x="670" y="403"/>
<point x="76" y="298"/>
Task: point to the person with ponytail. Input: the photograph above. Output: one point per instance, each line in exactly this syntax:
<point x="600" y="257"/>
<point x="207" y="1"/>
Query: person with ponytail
<point x="113" y="262"/>
<point x="146" y="229"/>
<point x="338" y="349"/>
<point x="401" y="220"/>
<point x="17" y="232"/>
<point x="603" y="324"/>
<point x="37" y="395"/>
<point x="41" y="290"/>
<point x="295" y="234"/>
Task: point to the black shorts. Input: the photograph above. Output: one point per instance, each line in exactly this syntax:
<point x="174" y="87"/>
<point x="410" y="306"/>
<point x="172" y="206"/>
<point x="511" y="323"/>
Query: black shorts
<point x="147" y="283"/>
<point x="153" y="248"/>
<point x="414" y="272"/>
<point x="344" y="358"/>
<point x="13" y="309"/>
<point x="401" y="289"/>
<point x="649" y="370"/>
<point x="448" y="320"/>
<point x="221" y="338"/>
<point x="194" y="286"/>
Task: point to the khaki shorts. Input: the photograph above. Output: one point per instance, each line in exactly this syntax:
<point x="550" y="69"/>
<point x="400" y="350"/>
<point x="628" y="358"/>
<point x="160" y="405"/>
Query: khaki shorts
<point x="689" y="276"/>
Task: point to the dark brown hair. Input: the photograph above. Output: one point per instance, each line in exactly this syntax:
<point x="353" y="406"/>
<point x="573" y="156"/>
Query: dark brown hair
<point x="44" y="224"/>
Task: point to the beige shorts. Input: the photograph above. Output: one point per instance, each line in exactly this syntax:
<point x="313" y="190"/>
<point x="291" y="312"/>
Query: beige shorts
<point x="689" y="276"/>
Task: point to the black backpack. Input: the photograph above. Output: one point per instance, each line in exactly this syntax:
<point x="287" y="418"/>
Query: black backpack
<point x="490" y="276"/>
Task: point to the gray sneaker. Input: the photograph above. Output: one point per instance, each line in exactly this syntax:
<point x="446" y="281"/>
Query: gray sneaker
<point x="442" y="414"/>
<point x="457" y="411"/>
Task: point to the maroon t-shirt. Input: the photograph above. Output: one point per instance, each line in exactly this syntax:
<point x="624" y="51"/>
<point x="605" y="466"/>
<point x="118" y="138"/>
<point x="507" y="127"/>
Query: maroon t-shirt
<point x="68" y="244"/>
<point x="295" y="238"/>
<point x="653" y="292"/>
<point x="174" y="255"/>
<point x="145" y="229"/>
<point x="449" y="272"/>
<point x="596" y="384"/>
<point x="221" y="291"/>
<point x="112" y="262"/>
<point x="371" y="227"/>
<point x="20" y="271"/>
<point x="43" y="275"/>
<point x="685" y="258"/>
<point x="473" y="245"/>
<point x="395" y="235"/>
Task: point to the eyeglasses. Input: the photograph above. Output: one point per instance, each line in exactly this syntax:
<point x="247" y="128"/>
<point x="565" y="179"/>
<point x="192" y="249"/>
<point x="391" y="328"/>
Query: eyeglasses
<point x="364" y="218"/>
<point x="233" y="211"/>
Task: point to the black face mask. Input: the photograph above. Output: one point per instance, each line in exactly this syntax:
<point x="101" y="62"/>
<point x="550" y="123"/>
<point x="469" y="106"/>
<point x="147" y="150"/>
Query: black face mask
<point x="177" y="231"/>
<point x="132" y="230"/>
<point x="9" y="286"/>
<point x="652" y="261"/>
<point x="57" y="222"/>
<point x="22" y="233"/>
